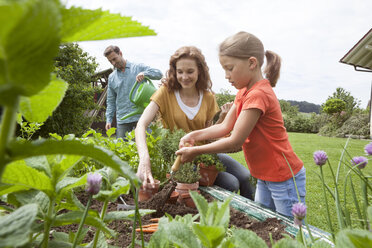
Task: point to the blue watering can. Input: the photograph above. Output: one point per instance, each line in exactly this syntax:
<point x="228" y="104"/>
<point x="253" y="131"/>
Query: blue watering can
<point x="142" y="96"/>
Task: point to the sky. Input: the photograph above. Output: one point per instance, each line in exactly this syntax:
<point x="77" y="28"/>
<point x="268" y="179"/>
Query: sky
<point x="310" y="36"/>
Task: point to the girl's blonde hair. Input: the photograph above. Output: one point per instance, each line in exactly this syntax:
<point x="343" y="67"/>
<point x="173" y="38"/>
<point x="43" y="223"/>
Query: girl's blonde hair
<point x="204" y="80"/>
<point x="244" y="45"/>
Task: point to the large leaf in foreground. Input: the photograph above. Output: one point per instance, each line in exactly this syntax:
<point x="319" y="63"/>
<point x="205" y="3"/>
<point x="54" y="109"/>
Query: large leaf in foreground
<point x="28" y="50"/>
<point x="20" y="150"/>
<point x="39" y="107"/>
<point x="83" y="24"/>
<point x="15" y="228"/>
<point x="18" y="173"/>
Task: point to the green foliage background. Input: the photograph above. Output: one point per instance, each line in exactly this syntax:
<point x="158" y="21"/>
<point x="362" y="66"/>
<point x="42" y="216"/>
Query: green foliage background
<point x="77" y="68"/>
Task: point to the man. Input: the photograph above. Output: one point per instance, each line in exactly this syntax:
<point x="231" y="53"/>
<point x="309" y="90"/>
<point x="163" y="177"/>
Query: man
<point x="120" y="83"/>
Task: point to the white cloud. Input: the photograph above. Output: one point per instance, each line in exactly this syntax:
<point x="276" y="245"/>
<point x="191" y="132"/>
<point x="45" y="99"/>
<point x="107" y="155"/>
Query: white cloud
<point x="310" y="36"/>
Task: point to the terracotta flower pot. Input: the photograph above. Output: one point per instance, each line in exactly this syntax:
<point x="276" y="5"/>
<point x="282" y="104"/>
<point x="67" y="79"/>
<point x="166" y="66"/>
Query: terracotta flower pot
<point x="146" y="193"/>
<point x="208" y="174"/>
<point x="186" y="187"/>
<point x="173" y="197"/>
<point x="187" y="200"/>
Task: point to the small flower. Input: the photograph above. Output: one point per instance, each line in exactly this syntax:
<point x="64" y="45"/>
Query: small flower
<point x="94" y="183"/>
<point x="368" y="148"/>
<point x="299" y="213"/>
<point x="320" y="157"/>
<point x="360" y="161"/>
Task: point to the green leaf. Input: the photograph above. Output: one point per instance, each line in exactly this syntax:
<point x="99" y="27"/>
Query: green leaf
<point x="68" y="183"/>
<point x="201" y="204"/>
<point x="74" y="217"/>
<point x="18" y="173"/>
<point x="210" y="236"/>
<point x="110" y="132"/>
<point x="28" y="48"/>
<point x="287" y="243"/>
<point x="369" y="213"/>
<point x="120" y="187"/>
<point x="246" y="238"/>
<point x="39" y="107"/>
<point x="61" y="165"/>
<point x="159" y="240"/>
<point x="181" y="235"/>
<point x="10" y="13"/>
<point x="223" y="215"/>
<point x="321" y="244"/>
<point x="8" y="189"/>
<point x="20" y="150"/>
<point x="34" y="196"/>
<point x="40" y="163"/>
<point x="357" y="238"/>
<point x="15" y="228"/>
<point x="83" y="24"/>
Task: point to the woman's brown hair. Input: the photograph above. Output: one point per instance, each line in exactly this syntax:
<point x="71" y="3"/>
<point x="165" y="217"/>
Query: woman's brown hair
<point x="244" y="45"/>
<point x="204" y="80"/>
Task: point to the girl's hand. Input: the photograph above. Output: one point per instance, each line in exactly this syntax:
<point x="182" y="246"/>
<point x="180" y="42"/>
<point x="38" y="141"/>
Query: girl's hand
<point x="187" y="154"/>
<point x="186" y="141"/>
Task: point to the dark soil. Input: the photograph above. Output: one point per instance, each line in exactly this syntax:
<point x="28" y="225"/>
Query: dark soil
<point x="124" y="228"/>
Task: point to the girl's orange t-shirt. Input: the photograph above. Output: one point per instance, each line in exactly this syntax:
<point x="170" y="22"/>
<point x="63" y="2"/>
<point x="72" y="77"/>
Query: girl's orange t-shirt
<point x="267" y="148"/>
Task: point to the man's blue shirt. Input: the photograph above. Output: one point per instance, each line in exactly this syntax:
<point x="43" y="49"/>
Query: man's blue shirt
<point x="119" y="86"/>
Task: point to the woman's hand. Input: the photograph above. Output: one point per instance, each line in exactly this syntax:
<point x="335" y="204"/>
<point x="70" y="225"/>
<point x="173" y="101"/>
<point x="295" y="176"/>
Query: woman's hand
<point x="144" y="173"/>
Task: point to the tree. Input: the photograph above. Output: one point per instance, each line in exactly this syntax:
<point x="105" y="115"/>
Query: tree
<point x="351" y="103"/>
<point x="74" y="66"/>
<point x="334" y="105"/>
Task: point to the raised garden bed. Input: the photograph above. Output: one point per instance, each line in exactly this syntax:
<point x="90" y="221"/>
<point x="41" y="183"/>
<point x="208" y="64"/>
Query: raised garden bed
<point x="243" y="214"/>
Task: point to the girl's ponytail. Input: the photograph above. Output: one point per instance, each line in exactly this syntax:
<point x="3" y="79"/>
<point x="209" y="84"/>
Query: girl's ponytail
<point x="272" y="69"/>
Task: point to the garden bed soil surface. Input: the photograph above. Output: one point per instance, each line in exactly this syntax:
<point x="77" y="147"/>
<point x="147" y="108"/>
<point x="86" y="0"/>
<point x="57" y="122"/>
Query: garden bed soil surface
<point x="124" y="227"/>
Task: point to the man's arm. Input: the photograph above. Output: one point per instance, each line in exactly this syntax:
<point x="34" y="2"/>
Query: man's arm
<point x="152" y="73"/>
<point x="111" y="106"/>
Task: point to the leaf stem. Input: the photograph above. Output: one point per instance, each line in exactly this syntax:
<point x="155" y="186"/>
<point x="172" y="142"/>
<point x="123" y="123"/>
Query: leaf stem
<point x="7" y="129"/>
<point x="82" y="222"/>
<point x="48" y="223"/>
<point x="103" y="213"/>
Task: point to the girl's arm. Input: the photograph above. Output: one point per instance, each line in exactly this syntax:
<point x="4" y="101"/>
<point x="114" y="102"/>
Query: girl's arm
<point x="243" y="127"/>
<point x="213" y="132"/>
<point x="144" y="167"/>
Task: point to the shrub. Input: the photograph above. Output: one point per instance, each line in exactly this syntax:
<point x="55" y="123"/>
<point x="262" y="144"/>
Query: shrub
<point x="355" y="125"/>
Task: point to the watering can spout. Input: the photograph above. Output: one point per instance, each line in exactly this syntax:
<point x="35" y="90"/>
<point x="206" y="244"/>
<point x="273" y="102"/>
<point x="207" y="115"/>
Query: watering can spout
<point x="135" y="112"/>
<point x="142" y="97"/>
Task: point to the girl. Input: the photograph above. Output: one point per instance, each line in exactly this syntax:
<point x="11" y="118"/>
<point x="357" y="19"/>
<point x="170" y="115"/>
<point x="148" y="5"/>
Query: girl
<point x="256" y="123"/>
<point x="185" y="101"/>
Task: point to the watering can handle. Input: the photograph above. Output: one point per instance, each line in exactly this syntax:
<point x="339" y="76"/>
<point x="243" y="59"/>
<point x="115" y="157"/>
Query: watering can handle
<point x="134" y="86"/>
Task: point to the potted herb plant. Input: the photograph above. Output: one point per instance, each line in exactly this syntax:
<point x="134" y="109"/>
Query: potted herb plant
<point x="209" y="165"/>
<point x="187" y="178"/>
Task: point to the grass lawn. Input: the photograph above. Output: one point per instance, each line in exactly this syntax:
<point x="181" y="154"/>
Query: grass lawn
<point x="305" y="145"/>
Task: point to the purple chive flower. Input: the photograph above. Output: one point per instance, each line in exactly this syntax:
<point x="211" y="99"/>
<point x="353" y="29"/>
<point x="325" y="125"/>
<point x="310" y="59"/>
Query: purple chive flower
<point x="299" y="213"/>
<point x="94" y="183"/>
<point x="368" y="148"/>
<point x="320" y="157"/>
<point x="360" y="161"/>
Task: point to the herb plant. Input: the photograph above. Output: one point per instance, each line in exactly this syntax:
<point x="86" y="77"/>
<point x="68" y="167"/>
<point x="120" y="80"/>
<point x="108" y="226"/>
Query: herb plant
<point x="188" y="173"/>
<point x="210" y="159"/>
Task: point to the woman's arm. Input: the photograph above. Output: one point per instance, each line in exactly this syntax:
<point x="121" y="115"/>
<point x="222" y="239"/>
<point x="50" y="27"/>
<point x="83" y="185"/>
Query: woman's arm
<point x="144" y="167"/>
<point x="243" y="127"/>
